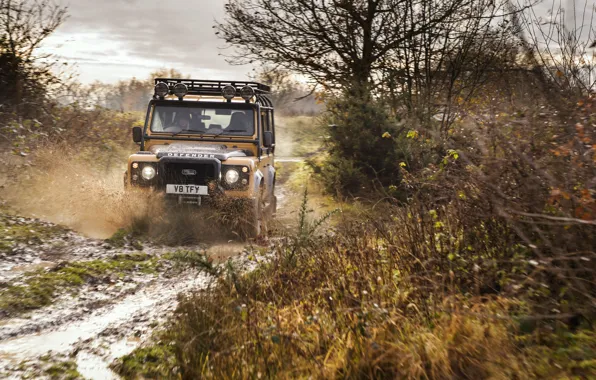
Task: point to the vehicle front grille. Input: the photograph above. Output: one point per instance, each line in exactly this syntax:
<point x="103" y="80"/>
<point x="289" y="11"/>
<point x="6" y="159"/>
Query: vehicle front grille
<point x="188" y="173"/>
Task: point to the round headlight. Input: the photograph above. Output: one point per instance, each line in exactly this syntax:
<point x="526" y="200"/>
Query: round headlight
<point x="180" y="90"/>
<point x="148" y="172"/>
<point x="232" y="176"/>
<point x="161" y="89"/>
<point x="229" y="92"/>
<point x="247" y="93"/>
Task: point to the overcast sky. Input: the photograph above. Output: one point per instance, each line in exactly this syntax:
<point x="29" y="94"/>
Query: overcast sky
<point x="112" y="40"/>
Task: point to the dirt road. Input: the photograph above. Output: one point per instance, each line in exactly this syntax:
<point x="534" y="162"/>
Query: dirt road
<point x="70" y="305"/>
<point x="88" y="324"/>
<point x="95" y="322"/>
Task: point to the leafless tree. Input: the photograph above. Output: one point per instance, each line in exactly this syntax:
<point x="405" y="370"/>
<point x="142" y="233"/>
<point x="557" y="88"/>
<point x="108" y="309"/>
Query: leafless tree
<point x="423" y="57"/>
<point x="437" y="72"/>
<point x="289" y="96"/>
<point x="561" y="42"/>
<point x="336" y="43"/>
<point x="24" y="25"/>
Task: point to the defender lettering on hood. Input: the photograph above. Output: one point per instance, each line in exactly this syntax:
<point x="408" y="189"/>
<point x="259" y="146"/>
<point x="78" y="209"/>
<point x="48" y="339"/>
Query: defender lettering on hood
<point x="221" y="152"/>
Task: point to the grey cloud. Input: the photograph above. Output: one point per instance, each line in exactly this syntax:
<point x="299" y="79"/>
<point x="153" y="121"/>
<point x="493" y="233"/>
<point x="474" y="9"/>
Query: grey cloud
<point x="175" y="33"/>
<point x="579" y="15"/>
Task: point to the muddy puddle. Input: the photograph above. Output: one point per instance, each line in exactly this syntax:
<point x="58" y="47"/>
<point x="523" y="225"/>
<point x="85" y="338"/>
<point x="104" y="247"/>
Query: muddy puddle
<point x="105" y="321"/>
<point x="104" y="334"/>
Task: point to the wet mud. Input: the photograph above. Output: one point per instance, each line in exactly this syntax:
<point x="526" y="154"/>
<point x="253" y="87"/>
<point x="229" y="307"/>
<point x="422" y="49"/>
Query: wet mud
<point x="105" y="321"/>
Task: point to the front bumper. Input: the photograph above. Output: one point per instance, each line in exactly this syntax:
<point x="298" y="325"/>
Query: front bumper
<point x="208" y="172"/>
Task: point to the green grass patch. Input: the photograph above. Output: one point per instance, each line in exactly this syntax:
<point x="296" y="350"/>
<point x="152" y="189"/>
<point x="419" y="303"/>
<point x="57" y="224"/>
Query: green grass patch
<point x="66" y="370"/>
<point x="38" y="288"/>
<point x="154" y="362"/>
<point x="15" y="230"/>
<point x="47" y="367"/>
<point x="119" y="238"/>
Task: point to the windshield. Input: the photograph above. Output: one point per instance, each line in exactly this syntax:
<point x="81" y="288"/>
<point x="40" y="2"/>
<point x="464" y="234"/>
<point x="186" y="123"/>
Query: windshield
<point x="203" y="120"/>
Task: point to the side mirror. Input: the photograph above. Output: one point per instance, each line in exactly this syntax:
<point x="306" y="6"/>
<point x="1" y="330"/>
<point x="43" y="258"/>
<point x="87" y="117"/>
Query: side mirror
<point x="137" y="134"/>
<point x="267" y="139"/>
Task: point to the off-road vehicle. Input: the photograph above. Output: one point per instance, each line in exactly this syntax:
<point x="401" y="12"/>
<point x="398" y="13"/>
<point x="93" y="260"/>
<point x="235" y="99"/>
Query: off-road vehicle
<point x="209" y="143"/>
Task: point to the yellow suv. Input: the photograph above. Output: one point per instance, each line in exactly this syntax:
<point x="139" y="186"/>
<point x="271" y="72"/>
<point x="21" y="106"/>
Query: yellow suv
<point x="205" y="141"/>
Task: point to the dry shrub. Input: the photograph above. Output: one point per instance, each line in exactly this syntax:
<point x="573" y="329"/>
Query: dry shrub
<point x="410" y="293"/>
<point x="217" y="338"/>
<point x="350" y="307"/>
<point x="528" y="187"/>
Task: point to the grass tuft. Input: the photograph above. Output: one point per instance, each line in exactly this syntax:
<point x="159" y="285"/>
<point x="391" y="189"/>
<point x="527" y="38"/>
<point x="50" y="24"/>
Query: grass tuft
<point x="155" y="362"/>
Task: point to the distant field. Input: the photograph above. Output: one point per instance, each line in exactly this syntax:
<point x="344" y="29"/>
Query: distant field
<point x="297" y="135"/>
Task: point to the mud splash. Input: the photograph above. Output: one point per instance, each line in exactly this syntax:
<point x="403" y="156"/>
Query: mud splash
<point x="68" y="188"/>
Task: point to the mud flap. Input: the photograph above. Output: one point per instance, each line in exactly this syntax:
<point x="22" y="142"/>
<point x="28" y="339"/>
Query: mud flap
<point x="271" y="208"/>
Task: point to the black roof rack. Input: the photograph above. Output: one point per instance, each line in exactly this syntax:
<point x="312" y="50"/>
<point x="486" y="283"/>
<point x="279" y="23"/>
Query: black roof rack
<point x="214" y="87"/>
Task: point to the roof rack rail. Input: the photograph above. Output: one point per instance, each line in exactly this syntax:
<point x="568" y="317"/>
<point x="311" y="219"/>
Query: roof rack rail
<point x="212" y="87"/>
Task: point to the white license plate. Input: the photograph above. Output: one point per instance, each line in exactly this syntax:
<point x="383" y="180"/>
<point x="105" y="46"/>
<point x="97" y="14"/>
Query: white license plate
<point x="187" y="189"/>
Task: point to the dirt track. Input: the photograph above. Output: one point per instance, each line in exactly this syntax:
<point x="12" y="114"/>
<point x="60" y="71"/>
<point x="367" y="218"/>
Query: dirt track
<point x="105" y="318"/>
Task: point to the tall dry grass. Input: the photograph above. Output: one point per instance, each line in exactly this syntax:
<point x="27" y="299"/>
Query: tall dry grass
<point x="389" y="298"/>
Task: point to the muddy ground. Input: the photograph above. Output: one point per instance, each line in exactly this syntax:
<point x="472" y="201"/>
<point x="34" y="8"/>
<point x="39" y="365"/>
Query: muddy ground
<point x="71" y="304"/>
<point x="107" y="314"/>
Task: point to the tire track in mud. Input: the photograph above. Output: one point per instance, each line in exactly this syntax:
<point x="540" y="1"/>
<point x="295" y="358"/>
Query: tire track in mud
<point x="95" y="336"/>
<point x="106" y="333"/>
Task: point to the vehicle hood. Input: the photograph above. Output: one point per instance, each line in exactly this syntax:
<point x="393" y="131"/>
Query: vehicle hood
<point x="221" y="152"/>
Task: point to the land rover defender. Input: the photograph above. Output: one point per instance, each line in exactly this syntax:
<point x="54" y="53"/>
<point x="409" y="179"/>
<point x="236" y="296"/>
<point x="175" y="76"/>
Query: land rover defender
<point x="205" y="141"/>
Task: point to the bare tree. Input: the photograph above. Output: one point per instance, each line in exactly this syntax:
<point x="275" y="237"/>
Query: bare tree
<point x="24" y="74"/>
<point x="561" y="43"/>
<point x="336" y="43"/>
<point x="289" y="96"/>
<point x="436" y="73"/>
